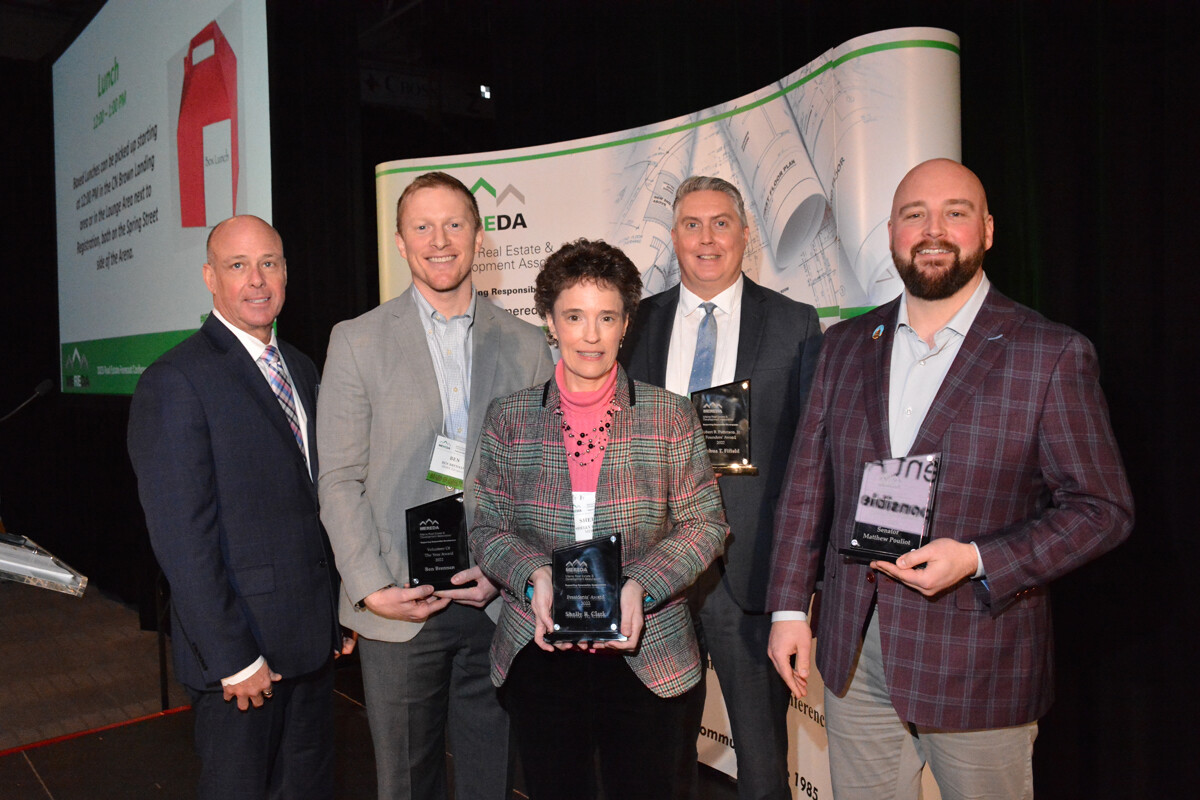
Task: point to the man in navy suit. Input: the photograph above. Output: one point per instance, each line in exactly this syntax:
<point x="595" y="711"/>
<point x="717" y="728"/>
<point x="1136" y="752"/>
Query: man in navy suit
<point x="773" y="341"/>
<point x="222" y="437"/>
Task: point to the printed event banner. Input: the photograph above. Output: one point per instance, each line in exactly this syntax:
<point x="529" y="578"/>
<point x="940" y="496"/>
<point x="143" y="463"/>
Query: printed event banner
<point x="817" y="156"/>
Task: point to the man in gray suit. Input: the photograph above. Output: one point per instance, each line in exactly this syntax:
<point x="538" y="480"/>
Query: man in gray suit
<point x="404" y="394"/>
<point x="773" y="341"/>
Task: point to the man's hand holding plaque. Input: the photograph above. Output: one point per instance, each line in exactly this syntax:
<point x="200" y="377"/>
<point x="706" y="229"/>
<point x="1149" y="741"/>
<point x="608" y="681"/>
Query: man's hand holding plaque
<point x="724" y="413"/>
<point x="437" y="544"/>
<point x="895" y="507"/>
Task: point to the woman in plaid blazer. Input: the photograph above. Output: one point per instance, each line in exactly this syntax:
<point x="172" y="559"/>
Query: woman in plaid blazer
<point x="646" y="475"/>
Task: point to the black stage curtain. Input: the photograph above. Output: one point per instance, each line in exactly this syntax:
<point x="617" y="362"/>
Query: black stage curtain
<point x="1077" y="117"/>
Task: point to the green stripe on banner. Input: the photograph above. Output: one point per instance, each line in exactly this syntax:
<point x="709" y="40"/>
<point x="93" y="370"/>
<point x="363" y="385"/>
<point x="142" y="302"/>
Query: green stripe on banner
<point x="113" y="366"/>
<point x="837" y="62"/>
<point x="850" y="312"/>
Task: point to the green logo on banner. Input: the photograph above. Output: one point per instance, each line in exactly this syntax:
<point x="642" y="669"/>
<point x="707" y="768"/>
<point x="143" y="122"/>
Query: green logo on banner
<point x="113" y="366"/>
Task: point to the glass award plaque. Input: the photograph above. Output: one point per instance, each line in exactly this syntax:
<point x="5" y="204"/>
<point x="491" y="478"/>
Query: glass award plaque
<point x="587" y="591"/>
<point x="437" y="543"/>
<point x="895" y="505"/>
<point x="724" y="413"/>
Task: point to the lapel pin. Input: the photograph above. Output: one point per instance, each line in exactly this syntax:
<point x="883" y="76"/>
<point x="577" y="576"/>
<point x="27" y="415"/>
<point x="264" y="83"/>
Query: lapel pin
<point x="878" y="332"/>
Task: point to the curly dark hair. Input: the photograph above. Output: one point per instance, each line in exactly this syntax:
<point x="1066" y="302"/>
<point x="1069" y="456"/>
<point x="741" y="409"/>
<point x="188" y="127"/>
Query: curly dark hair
<point x="587" y="260"/>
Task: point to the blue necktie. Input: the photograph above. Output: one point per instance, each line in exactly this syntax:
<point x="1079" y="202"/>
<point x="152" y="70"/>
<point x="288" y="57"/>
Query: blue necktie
<point x="283" y="389"/>
<point x="706" y="350"/>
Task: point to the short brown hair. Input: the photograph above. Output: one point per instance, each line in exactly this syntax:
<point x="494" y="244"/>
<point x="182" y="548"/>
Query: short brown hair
<point x="586" y="260"/>
<point x="432" y="180"/>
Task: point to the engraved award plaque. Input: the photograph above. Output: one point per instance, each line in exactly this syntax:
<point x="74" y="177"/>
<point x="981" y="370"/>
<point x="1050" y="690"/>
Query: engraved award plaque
<point x="437" y="543"/>
<point x="724" y="413"/>
<point x="895" y="505"/>
<point x="587" y="591"/>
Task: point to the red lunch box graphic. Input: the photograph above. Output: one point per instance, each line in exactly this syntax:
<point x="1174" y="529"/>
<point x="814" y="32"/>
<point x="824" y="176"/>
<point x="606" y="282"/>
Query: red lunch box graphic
<point x="209" y="97"/>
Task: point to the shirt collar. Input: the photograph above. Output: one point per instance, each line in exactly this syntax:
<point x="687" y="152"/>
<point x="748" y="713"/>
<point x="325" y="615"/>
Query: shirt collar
<point x="429" y="312"/>
<point x="254" y="346"/>
<point x="725" y="301"/>
<point x="962" y="320"/>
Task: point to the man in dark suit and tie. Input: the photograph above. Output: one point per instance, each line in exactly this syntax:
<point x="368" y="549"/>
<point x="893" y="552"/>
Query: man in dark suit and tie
<point x="716" y="327"/>
<point x="944" y="657"/>
<point x="222" y="437"/>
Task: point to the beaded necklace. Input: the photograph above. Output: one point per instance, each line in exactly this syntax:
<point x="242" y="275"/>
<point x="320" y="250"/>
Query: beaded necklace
<point x="584" y="447"/>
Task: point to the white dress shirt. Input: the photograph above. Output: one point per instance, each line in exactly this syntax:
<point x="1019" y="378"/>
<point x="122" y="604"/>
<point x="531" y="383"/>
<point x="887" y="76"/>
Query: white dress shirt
<point x="682" y="350"/>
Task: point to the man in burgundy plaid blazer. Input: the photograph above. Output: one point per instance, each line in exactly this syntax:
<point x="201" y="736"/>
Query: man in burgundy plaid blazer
<point x="944" y="657"/>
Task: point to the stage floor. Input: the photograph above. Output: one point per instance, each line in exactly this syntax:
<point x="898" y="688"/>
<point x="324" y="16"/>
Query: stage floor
<point x="80" y="710"/>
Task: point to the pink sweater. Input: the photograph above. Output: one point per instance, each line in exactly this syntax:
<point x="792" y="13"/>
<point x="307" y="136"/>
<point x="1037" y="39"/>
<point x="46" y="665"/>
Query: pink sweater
<point x="586" y="419"/>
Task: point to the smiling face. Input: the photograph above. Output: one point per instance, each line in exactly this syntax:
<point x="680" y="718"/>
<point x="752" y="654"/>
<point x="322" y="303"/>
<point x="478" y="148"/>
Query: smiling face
<point x="589" y="320"/>
<point x="939" y="229"/>
<point x="709" y="241"/>
<point x="246" y="273"/>
<point x="438" y="238"/>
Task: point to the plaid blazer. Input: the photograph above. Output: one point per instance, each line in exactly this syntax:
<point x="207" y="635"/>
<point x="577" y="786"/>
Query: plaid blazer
<point x="1030" y="473"/>
<point x="656" y="488"/>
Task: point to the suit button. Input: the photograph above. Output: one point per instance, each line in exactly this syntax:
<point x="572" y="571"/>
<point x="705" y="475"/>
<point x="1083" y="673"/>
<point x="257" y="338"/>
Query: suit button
<point x="322" y="563"/>
<point x="871" y="577"/>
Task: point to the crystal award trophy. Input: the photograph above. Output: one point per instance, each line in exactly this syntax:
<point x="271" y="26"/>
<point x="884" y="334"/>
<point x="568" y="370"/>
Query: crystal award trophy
<point x="724" y="413"/>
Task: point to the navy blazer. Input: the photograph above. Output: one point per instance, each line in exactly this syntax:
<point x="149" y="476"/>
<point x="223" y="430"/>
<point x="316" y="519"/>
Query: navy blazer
<point x="778" y="342"/>
<point x="231" y="507"/>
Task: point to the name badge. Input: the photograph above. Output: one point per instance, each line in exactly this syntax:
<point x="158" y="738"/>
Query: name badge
<point x="448" y="464"/>
<point x="585" y="514"/>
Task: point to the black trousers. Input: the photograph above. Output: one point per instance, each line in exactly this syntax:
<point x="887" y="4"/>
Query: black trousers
<point x="282" y="750"/>
<point x="573" y="711"/>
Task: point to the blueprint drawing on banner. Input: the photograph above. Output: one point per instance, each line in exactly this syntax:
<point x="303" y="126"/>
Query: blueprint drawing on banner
<point x="816" y="155"/>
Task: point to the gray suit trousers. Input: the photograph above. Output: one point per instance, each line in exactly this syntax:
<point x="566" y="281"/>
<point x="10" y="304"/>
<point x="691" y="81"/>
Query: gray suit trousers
<point x="432" y="695"/>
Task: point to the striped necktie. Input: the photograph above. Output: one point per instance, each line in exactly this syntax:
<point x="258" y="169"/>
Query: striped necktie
<point x="283" y="389"/>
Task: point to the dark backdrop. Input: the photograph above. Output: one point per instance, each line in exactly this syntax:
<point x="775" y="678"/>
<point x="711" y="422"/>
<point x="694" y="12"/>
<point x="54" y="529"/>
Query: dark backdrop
<point x="1077" y="117"/>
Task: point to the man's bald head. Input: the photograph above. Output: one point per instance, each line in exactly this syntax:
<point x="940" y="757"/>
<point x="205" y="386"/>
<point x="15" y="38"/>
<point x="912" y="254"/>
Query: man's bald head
<point x="939" y="229"/>
<point x="238" y="221"/>
<point x="246" y="273"/>
<point x="943" y="173"/>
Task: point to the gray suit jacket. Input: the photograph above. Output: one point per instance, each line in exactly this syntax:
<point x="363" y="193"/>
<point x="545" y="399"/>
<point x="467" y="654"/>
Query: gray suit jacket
<point x="379" y="416"/>
<point x="777" y="350"/>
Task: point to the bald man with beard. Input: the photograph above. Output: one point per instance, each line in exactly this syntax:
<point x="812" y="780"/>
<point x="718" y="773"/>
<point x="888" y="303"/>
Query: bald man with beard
<point x="944" y="657"/>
